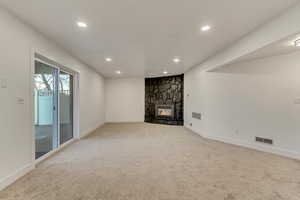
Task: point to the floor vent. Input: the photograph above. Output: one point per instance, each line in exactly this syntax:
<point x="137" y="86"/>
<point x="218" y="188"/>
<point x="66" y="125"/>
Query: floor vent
<point x="264" y="140"/>
<point x="196" y="115"/>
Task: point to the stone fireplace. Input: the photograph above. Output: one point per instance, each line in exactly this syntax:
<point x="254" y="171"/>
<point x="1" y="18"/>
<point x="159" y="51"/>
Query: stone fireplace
<point x="164" y="100"/>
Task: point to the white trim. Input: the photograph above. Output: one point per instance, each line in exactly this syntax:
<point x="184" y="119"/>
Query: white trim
<point x="57" y="110"/>
<point x="76" y="104"/>
<point x="91" y="130"/>
<point x="31" y="98"/>
<point x="124" y="122"/>
<point x="254" y="145"/>
<point x="46" y="63"/>
<point x="5" y="182"/>
<point x="51" y="153"/>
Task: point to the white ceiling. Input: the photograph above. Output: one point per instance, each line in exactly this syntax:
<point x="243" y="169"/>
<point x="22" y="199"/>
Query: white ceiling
<point x="143" y="36"/>
<point x="284" y="46"/>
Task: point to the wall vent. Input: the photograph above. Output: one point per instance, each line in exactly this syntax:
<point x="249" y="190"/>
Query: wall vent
<point x="264" y="140"/>
<point x="197" y="115"/>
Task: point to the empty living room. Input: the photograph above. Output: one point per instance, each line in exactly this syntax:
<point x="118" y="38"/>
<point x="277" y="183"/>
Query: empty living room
<point x="150" y="100"/>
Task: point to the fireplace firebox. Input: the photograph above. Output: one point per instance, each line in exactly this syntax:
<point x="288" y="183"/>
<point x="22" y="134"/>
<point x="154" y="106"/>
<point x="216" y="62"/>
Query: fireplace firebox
<point x="164" y="111"/>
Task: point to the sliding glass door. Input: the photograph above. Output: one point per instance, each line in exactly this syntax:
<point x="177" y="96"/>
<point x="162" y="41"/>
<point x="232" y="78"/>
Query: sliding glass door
<point x="66" y="106"/>
<point x="53" y="104"/>
<point x="46" y="98"/>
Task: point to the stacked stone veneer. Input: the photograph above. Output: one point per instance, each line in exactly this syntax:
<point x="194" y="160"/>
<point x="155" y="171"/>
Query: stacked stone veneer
<point x="164" y="91"/>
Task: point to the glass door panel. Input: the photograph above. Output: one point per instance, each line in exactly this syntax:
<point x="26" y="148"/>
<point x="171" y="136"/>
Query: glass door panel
<point x="45" y="103"/>
<point x="65" y="106"/>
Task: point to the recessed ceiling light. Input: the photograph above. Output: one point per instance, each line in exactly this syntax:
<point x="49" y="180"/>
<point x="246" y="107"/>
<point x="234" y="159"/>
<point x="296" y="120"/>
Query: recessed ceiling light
<point x="176" y="60"/>
<point x="165" y="72"/>
<point x="297" y="43"/>
<point x="205" y="28"/>
<point x="81" y="24"/>
<point x="108" y="59"/>
<point x="118" y="72"/>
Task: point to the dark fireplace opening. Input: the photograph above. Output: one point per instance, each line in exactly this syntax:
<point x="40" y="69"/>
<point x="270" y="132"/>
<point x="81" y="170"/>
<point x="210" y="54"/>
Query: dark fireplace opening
<point x="164" y="112"/>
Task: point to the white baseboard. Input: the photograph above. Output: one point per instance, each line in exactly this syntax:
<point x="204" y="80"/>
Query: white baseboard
<point x="5" y="182"/>
<point x="124" y="122"/>
<point x="251" y="145"/>
<point x="53" y="152"/>
<point x="91" y="130"/>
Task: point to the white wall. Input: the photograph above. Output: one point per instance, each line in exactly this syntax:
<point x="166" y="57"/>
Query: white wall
<point x="238" y="105"/>
<point x="125" y="99"/>
<point x="283" y="26"/>
<point x="244" y="100"/>
<point x="16" y="133"/>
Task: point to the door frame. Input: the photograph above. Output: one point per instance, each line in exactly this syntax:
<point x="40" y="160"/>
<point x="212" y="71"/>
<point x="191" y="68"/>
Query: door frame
<point x="76" y="100"/>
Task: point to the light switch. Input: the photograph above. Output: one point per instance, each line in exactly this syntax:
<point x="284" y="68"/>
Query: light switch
<point x="3" y="83"/>
<point x="297" y="101"/>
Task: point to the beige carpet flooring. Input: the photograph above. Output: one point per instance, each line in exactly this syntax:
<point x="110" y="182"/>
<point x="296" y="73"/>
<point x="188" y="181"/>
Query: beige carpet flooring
<point x="155" y="162"/>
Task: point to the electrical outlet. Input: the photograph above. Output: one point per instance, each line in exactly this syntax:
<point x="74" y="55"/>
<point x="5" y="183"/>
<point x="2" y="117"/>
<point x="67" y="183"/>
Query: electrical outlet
<point x="20" y="100"/>
<point x="297" y="101"/>
<point x="197" y="115"/>
<point x="3" y="83"/>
